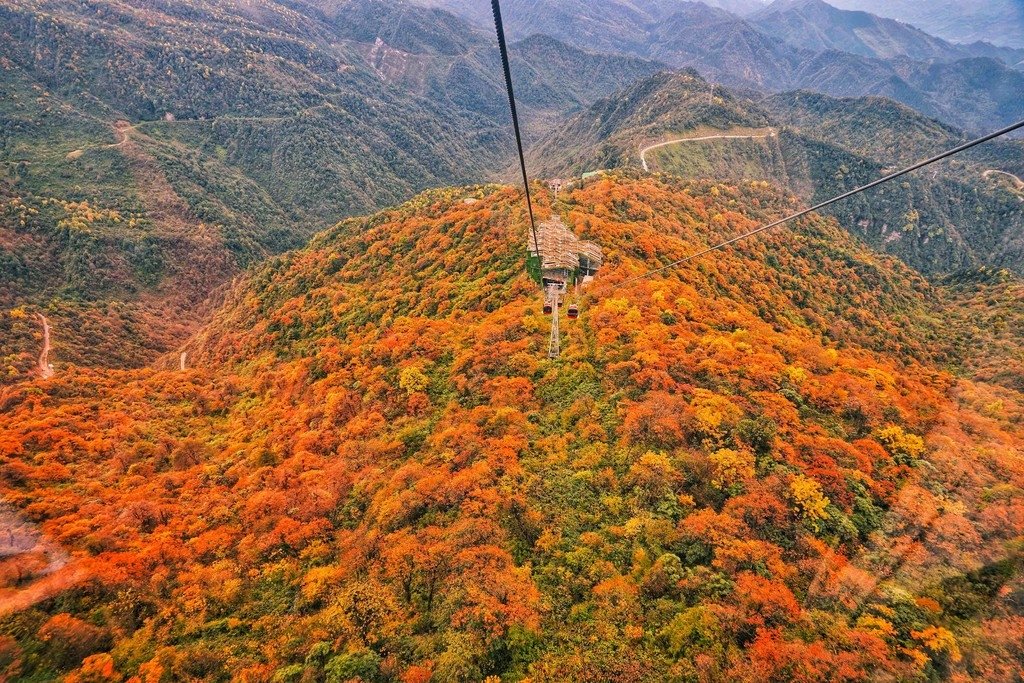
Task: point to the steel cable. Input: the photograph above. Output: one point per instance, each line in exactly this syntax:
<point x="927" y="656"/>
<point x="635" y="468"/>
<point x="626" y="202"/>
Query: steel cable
<point x="500" y="30"/>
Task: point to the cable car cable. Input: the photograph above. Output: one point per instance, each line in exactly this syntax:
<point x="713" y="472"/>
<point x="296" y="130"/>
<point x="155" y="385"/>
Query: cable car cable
<point x="846" y="195"/>
<point x="500" y="30"/>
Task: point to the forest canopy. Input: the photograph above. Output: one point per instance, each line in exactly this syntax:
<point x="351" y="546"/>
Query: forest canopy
<point x="775" y="464"/>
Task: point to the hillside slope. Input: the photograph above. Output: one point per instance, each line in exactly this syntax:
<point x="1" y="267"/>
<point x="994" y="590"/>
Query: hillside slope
<point x="610" y="133"/>
<point x="752" y="468"/>
<point x="954" y="216"/>
<point x="182" y="142"/>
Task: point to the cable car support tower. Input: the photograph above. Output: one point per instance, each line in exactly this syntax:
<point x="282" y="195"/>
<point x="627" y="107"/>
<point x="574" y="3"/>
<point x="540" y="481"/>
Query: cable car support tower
<point x="554" y="343"/>
<point x="556" y="258"/>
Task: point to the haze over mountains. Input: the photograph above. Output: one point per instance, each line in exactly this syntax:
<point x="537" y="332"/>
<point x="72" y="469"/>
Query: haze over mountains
<point x="967" y="86"/>
<point x="817" y="25"/>
<point x="995" y="21"/>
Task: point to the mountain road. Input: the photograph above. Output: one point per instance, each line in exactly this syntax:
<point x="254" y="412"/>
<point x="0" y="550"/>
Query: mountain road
<point x="645" y="150"/>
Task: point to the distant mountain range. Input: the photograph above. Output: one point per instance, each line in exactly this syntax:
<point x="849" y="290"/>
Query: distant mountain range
<point x="805" y="44"/>
<point x="964" y="21"/>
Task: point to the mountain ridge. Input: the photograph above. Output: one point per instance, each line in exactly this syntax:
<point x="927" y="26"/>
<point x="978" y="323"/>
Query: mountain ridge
<point x="739" y="53"/>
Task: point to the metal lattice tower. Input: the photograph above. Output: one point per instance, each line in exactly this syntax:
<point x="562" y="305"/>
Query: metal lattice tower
<point x="554" y="345"/>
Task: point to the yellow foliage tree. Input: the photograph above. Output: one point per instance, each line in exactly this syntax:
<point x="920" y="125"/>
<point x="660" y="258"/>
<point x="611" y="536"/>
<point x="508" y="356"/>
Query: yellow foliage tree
<point x="711" y="416"/>
<point x="897" y="441"/>
<point x="939" y="640"/>
<point x="413" y="380"/>
<point x="809" y="499"/>
<point x="651" y="467"/>
<point x="731" y="467"/>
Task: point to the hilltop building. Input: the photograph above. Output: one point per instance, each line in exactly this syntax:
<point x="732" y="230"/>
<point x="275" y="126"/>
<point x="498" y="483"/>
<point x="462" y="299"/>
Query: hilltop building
<point x="560" y="257"/>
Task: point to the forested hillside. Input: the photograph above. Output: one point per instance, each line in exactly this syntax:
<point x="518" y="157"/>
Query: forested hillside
<point x="960" y="214"/>
<point x="609" y="133"/>
<point x="237" y="444"/>
<point x="989" y="308"/>
<point x="150" y="150"/>
<point x="753" y="468"/>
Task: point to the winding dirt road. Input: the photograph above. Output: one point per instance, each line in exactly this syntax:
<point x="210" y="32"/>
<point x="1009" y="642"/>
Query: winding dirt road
<point x="45" y="369"/>
<point x="1018" y="181"/>
<point x="121" y="129"/>
<point x="645" y="150"/>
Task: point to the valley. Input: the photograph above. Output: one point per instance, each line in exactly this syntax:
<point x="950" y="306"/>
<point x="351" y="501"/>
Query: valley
<point x="207" y="184"/>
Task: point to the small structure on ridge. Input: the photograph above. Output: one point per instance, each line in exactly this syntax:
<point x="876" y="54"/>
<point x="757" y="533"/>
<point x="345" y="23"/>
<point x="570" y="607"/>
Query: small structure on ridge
<point x="558" y="259"/>
<point x="560" y="256"/>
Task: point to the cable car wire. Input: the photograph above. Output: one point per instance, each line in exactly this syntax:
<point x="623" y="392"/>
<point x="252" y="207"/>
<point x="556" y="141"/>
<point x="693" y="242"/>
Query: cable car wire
<point x="500" y="30"/>
<point x="816" y="207"/>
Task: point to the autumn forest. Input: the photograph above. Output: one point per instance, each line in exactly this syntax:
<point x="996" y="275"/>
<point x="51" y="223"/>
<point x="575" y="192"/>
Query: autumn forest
<point x="777" y="464"/>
